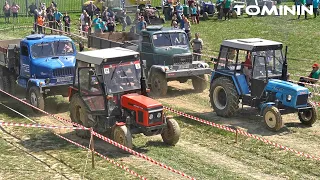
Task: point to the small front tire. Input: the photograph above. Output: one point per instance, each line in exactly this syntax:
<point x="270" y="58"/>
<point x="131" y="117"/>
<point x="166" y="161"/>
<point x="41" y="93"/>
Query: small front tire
<point x="308" y="117"/>
<point x="272" y="118"/>
<point x="36" y="99"/>
<point x="171" y="133"/>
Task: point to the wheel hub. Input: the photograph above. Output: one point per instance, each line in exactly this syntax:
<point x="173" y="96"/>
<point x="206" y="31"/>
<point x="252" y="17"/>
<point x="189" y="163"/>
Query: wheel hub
<point x="220" y="97"/>
<point x="270" y="119"/>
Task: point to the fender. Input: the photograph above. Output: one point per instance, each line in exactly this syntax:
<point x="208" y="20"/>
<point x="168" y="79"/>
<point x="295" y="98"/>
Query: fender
<point x="264" y="105"/>
<point x="216" y="74"/>
<point x="155" y="68"/>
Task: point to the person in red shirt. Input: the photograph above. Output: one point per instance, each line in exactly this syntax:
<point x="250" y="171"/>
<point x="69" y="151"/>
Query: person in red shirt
<point x="247" y="69"/>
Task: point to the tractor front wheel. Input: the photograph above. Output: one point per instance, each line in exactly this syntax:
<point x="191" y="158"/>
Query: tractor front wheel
<point x="171" y="133"/>
<point x="79" y="115"/>
<point x="309" y="116"/>
<point x="272" y="118"/>
<point x="199" y="83"/>
<point x="122" y="135"/>
<point x="159" y="84"/>
<point x="224" y="98"/>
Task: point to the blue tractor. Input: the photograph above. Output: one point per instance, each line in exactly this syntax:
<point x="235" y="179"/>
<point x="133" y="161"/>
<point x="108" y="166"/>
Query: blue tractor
<point x="255" y="71"/>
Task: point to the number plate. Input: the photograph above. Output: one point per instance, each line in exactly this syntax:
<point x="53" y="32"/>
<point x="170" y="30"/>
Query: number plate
<point x="64" y="79"/>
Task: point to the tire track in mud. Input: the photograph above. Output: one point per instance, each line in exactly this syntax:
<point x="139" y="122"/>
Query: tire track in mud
<point x="57" y="167"/>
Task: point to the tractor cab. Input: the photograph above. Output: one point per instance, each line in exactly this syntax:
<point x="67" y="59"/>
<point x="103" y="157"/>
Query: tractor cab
<point x="255" y="71"/>
<point x="109" y="94"/>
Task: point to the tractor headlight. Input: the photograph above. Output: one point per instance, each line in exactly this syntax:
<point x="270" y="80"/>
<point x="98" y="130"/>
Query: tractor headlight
<point x="289" y="97"/>
<point x="159" y="115"/>
<point x="151" y="116"/>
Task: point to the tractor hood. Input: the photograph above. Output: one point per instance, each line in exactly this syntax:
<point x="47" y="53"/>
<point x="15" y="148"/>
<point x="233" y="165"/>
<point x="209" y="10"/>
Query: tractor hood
<point x="285" y="87"/>
<point x="133" y="101"/>
<point x="172" y="50"/>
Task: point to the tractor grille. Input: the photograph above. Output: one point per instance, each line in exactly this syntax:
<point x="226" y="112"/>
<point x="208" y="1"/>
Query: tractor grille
<point x="155" y="118"/>
<point x="180" y="60"/>
<point x="68" y="71"/>
<point x="302" y="100"/>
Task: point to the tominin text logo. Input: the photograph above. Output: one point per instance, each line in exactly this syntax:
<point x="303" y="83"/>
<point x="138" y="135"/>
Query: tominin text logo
<point x="254" y="10"/>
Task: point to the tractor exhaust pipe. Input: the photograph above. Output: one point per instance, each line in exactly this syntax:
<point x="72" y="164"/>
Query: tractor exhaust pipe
<point x="285" y="66"/>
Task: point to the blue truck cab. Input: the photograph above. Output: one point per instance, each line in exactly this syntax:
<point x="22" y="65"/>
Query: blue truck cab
<point x="43" y="65"/>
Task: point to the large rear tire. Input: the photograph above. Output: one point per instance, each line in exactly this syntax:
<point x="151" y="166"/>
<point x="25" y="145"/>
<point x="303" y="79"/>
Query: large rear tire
<point x="79" y="114"/>
<point x="310" y="116"/>
<point x="199" y="83"/>
<point x="159" y="85"/>
<point x="224" y="98"/>
<point x="36" y="99"/>
<point x="272" y="118"/>
<point x="122" y="135"/>
<point x="171" y="133"/>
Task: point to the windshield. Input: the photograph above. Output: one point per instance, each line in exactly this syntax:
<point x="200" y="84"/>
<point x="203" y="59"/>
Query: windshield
<point x="170" y="39"/>
<point x="122" y="77"/>
<point x="58" y="48"/>
<point x="274" y="62"/>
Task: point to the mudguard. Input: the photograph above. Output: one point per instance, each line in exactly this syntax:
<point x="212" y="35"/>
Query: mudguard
<point x="264" y="105"/>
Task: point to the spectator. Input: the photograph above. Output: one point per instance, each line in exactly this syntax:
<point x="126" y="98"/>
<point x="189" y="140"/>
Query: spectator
<point x="315" y="4"/>
<point x="103" y="26"/>
<point x="54" y="4"/>
<point x="175" y="25"/>
<point x="97" y="27"/>
<point x="179" y="10"/>
<point x="40" y="22"/>
<point x="50" y="8"/>
<point x="198" y="13"/>
<point x="182" y="22"/>
<point x="88" y="22"/>
<point x="142" y="24"/>
<point x="6" y="11"/>
<point x="57" y="18"/>
<point x="219" y="5"/>
<point x="60" y="27"/>
<point x="82" y="21"/>
<point x="50" y="19"/>
<point x="123" y="21"/>
<point x="174" y="19"/>
<point x="301" y="3"/>
<point x="110" y="25"/>
<point x="187" y="27"/>
<point x="193" y="13"/>
<point x="105" y="14"/>
<point x="32" y="8"/>
<point x="81" y="46"/>
<point x="91" y="8"/>
<point x="67" y="21"/>
<point x="15" y="9"/>
<point x="96" y="20"/>
<point x="313" y="76"/>
<point x="226" y="9"/>
<point x="197" y="45"/>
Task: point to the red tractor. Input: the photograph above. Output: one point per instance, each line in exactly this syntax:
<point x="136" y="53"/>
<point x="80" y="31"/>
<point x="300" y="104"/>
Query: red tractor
<point x="109" y="94"/>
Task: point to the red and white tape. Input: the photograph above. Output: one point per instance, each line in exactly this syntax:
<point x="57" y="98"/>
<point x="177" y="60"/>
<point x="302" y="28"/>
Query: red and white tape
<point x="104" y="138"/>
<point x="104" y="157"/>
<point x="140" y="155"/>
<point x="242" y="132"/>
<point x="40" y="126"/>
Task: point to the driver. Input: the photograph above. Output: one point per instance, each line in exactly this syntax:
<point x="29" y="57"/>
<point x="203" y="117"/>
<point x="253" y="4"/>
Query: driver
<point x="247" y="69"/>
<point x="67" y="48"/>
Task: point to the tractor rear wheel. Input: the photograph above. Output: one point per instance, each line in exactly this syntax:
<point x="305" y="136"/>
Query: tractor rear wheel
<point x="308" y="117"/>
<point x="79" y="115"/>
<point x="171" y="133"/>
<point x="224" y="98"/>
<point x="122" y="135"/>
<point x="199" y="83"/>
<point x="36" y="99"/>
<point x="272" y="118"/>
<point x="159" y="86"/>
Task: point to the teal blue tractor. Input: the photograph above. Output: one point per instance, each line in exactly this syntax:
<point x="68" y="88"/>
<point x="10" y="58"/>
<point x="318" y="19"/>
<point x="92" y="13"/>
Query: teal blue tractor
<point x="254" y="71"/>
